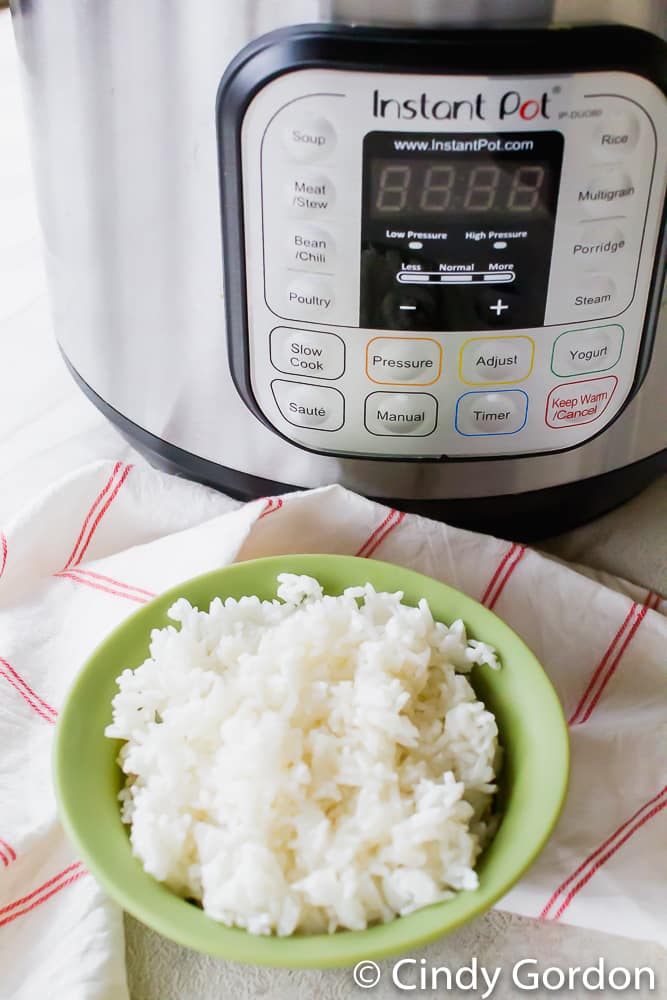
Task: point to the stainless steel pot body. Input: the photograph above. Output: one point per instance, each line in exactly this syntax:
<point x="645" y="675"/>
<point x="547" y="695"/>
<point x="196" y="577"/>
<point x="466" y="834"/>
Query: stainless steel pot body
<point x="121" y="100"/>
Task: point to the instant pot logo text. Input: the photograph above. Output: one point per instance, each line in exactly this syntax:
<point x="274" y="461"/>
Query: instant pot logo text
<point x="512" y="105"/>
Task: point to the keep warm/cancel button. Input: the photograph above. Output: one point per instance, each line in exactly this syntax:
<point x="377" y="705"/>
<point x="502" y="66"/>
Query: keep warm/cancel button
<point x="579" y="402"/>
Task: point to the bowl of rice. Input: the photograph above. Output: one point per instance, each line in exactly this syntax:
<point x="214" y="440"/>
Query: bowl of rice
<point x="310" y="760"/>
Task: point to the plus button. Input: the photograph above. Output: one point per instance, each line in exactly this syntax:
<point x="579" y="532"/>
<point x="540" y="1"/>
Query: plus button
<point x="499" y="307"/>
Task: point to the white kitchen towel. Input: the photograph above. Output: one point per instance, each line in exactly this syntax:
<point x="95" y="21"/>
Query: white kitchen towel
<point x="106" y="539"/>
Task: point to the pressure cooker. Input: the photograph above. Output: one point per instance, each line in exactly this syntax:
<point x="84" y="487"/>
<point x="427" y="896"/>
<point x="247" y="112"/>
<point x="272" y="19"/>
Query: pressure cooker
<point x="417" y="249"/>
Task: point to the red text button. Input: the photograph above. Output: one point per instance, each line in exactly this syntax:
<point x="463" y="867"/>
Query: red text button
<point x="579" y="402"/>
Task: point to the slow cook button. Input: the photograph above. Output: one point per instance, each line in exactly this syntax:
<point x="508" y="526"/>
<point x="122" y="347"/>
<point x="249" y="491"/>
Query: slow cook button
<point x="308" y="137"/>
<point x="578" y="352"/>
<point x="307" y="352"/>
<point x="309" y="297"/>
<point x="573" y="403"/>
<point x="309" y="194"/>
<point x="609" y="191"/>
<point x="310" y="248"/>
<point x="491" y="359"/>
<point x="491" y="413"/>
<point x="315" y="406"/>
<point x="389" y="413"/>
<point x="403" y="360"/>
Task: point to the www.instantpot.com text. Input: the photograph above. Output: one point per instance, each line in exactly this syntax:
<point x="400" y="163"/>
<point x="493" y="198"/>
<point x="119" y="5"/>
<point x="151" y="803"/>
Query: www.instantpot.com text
<point x="491" y="144"/>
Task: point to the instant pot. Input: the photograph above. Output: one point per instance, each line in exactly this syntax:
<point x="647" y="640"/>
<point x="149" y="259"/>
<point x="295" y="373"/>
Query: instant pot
<point x="414" y="248"/>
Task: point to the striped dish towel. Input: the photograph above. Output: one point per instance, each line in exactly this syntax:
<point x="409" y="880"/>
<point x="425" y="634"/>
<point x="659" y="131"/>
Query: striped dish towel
<point x="108" y="538"/>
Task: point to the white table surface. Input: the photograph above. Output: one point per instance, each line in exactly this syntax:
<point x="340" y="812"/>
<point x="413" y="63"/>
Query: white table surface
<point x="48" y="428"/>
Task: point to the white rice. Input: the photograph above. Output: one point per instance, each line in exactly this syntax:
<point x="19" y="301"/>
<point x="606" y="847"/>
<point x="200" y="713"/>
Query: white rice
<point x="308" y="763"/>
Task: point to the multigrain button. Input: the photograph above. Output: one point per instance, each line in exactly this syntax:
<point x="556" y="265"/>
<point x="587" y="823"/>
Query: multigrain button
<point x="309" y="298"/>
<point x="309" y="195"/>
<point x="595" y="349"/>
<point x="496" y="359"/>
<point x="310" y="248"/>
<point x="308" y="137"/>
<point x="390" y="413"/>
<point x="573" y="403"/>
<point x="307" y="352"/>
<point x="491" y="413"/>
<point x="403" y="360"/>
<point x="316" y="406"/>
<point x="608" y="191"/>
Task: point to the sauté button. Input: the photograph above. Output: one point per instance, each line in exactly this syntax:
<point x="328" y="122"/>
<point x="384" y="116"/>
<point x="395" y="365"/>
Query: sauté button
<point x="608" y="191"/>
<point x="403" y="360"/>
<point x="310" y="195"/>
<point x="578" y="352"/>
<point x="307" y="352"/>
<point x="310" y="248"/>
<point x="316" y="406"/>
<point x="309" y="297"/>
<point x="308" y="137"/>
<point x="495" y="359"/>
<point x="490" y="413"/>
<point x="573" y="403"/>
<point x="389" y="413"/>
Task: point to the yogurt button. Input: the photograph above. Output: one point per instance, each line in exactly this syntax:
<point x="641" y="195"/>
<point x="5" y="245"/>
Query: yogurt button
<point x="308" y="137"/>
<point x="593" y="350"/>
<point x="389" y="413"/>
<point x="316" y="406"/>
<point x="309" y="297"/>
<point x="490" y="413"/>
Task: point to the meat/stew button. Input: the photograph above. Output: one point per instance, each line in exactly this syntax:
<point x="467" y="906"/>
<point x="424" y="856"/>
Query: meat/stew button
<point x="582" y="402"/>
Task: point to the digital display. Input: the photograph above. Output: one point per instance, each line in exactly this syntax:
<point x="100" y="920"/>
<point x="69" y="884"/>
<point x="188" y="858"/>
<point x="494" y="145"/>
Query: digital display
<point x="442" y="189"/>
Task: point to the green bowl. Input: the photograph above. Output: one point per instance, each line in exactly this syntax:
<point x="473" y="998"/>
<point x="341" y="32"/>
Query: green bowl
<point x="533" y="781"/>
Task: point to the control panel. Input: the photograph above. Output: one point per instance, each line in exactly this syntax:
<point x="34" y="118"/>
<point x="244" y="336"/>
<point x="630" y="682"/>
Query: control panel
<point x="449" y="266"/>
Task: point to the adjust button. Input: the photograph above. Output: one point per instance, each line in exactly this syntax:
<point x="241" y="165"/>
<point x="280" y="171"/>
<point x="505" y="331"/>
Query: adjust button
<point x="315" y="406"/>
<point x="403" y="360"/>
<point x="307" y="352"/>
<point x="491" y="413"/>
<point x="496" y="359"/>
<point x="578" y="352"/>
<point x="390" y="413"/>
<point x="308" y="137"/>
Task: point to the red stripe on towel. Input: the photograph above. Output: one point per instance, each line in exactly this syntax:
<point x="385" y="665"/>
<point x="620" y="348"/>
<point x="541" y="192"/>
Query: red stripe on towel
<point x="77" y="578"/>
<point x="3" y="552"/>
<point x="115" y="583"/>
<point x="41" y="707"/>
<point x="378" y="535"/>
<point x="98" y="499"/>
<point x="598" y="851"/>
<point x="8" y="848"/>
<point x="95" y="524"/>
<point x="509" y="570"/>
<point x="271" y="506"/>
<point x="498" y="571"/>
<point x="39" y="896"/>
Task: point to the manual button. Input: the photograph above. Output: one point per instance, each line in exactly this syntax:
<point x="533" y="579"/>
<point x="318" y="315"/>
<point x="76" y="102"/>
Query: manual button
<point x="390" y="413"/>
<point x="317" y="406"/>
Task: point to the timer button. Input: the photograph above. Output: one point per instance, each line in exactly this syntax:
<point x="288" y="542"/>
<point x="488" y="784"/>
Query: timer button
<point x="615" y="134"/>
<point x="607" y="192"/>
<point x="310" y="248"/>
<point x="390" y="413"/>
<point x="308" y="137"/>
<point x="316" y="406"/>
<point x="491" y="413"/>
<point x="309" y="298"/>
<point x="310" y="195"/>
